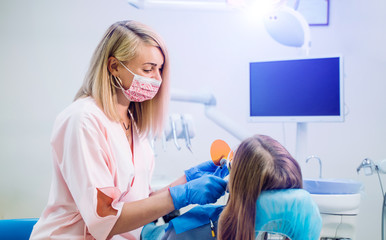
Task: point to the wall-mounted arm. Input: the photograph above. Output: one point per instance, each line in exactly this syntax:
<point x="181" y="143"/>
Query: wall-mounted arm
<point x="209" y="101"/>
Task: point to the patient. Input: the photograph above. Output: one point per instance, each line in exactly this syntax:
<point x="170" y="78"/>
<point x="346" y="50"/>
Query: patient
<point x="260" y="163"/>
<point x="263" y="168"/>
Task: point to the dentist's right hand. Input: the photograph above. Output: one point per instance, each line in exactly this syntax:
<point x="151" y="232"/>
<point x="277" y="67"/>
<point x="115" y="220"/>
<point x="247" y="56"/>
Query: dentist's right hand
<point x="203" y="190"/>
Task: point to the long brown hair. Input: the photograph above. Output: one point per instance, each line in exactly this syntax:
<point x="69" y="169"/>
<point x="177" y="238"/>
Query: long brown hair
<point x="122" y="40"/>
<point x="260" y="163"/>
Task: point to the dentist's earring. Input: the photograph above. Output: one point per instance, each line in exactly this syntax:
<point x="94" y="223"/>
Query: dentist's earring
<point x="119" y="80"/>
<point x="116" y="80"/>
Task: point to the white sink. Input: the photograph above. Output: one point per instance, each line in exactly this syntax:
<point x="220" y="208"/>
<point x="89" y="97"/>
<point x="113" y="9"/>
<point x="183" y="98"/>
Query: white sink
<point x="332" y="186"/>
<point x="335" y="196"/>
<point x="338" y="201"/>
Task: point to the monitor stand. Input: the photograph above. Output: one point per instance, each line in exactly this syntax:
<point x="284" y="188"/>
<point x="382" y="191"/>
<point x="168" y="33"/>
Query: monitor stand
<point x="301" y="141"/>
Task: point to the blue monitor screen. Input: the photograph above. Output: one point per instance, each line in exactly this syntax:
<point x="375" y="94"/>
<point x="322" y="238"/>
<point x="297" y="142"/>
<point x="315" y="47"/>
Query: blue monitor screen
<point x="298" y="90"/>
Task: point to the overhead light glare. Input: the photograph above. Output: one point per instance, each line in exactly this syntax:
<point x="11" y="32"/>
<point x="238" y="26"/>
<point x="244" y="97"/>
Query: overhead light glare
<point x="220" y="5"/>
<point x="257" y="8"/>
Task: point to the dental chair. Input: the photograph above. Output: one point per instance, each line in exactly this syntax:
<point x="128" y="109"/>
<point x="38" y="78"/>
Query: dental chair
<point x="16" y="229"/>
<point x="288" y="214"/>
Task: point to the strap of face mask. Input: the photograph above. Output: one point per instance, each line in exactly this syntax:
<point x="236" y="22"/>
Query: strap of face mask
<point x="126" y="68"/>
<point x="142" y="78"/>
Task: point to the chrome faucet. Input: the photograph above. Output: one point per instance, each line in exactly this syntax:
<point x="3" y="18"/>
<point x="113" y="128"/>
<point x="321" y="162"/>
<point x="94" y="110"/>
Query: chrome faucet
<point x="320" y="163"/>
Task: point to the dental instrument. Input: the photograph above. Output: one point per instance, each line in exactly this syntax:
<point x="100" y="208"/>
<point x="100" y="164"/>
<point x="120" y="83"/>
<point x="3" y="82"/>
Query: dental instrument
<point x="221" y="154"/>
<point x="187" y="121"/>
<point x="180" y="126"/>
<point x="173" y="122"/>
<point x="212" y="228"/>
<point x="219" y="151"/>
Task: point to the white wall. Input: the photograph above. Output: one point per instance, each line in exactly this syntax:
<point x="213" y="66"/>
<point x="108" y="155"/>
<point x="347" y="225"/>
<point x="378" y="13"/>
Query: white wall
<point x="46" y="47"/>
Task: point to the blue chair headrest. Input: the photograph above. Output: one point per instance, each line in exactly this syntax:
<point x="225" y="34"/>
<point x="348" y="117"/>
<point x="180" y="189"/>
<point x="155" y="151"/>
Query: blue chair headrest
<point x="290" y="212"/>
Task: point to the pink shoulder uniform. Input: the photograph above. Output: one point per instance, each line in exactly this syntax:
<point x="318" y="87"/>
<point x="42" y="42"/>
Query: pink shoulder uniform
<point x="91" y="153"/>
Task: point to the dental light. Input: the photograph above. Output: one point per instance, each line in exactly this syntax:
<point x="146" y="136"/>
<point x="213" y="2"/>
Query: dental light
<point x="284" y="24"/>
<point x="369" y="167"/>
<point x="218" y="5"/>
<point x="257" y="6"/>
<point x="288" y="27"/>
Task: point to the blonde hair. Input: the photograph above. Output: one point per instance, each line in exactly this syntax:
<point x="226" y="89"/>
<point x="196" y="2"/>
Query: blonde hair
<point x="260" y="163"/>
<point x="122" y="40"/>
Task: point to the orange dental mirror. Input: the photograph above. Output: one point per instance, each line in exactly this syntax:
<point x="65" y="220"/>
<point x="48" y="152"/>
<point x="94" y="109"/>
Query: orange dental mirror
<point x="219" y="150"/>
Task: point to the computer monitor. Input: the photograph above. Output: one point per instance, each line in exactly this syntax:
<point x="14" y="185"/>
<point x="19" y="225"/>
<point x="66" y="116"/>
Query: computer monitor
<point x="297" y="90"/>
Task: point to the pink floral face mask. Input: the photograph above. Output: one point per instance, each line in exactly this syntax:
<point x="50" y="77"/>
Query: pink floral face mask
<point x="141" y="89"/>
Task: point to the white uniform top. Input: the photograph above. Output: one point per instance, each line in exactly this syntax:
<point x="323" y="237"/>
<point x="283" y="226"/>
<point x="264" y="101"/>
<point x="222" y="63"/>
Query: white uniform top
<point x="92" y="152"/>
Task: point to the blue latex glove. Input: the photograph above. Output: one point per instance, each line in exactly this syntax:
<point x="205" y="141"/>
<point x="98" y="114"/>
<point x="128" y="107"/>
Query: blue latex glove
<point x="203" y="190"/>
<point x="206" y="168"/>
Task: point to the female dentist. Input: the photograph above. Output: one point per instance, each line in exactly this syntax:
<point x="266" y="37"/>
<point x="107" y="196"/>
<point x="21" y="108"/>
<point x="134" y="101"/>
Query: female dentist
<point x="102" y="160"/>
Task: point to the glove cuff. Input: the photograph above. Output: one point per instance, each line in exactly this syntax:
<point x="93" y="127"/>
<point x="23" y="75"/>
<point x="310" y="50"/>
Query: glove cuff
<point x="190" y="174"/>
<point x="178" y="194"/>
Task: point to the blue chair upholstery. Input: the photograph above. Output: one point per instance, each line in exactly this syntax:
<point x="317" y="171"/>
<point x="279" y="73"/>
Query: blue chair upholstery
<point x="12" y="229"/>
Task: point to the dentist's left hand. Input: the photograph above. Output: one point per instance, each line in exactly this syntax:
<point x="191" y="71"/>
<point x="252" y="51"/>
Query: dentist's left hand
<point x="206" y="168"/>
<point x="203" y="190"/>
